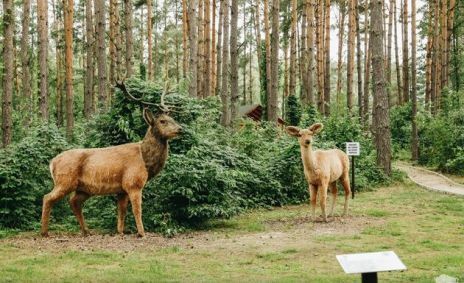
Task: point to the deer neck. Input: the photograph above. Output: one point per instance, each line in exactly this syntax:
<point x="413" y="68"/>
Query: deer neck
<point x="154" y="152"/>
<point x="308" y="157"/>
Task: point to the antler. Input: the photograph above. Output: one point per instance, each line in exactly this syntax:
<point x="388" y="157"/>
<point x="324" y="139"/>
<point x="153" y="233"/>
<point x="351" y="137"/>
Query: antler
<point x="161" y="105"/>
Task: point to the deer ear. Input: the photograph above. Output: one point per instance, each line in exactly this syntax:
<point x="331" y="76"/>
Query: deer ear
<point x="148" y="116"/>
<point x="293" y="131"/>
<point x="316" y="128"/>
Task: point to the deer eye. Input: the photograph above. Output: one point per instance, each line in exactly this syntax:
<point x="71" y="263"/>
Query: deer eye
<point x="163" y="121"/>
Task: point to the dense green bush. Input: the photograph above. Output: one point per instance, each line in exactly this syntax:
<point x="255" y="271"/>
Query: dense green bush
<point x="25" y="177"/>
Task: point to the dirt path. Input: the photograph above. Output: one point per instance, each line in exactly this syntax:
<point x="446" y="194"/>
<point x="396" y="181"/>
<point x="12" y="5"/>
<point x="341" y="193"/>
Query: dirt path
<point x="431" y="180"/>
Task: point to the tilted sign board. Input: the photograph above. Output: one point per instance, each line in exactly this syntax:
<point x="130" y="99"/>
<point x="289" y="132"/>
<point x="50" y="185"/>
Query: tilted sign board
<point x="353" y="148"/>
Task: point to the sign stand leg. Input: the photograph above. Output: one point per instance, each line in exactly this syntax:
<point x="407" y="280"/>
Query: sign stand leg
<point x="369" y="277"/>
<point x="352" y="177"/>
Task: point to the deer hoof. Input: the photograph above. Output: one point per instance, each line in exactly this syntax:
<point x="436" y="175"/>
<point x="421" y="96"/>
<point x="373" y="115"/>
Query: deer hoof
<point x="86" y="233"/>
<point x="44" y="234"/>
<point x="140" y="235"/>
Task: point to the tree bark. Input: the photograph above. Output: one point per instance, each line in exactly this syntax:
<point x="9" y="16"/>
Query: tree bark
<point x="397" y="57"/>
<point x="310" y="48"/>
<point x="193" y="48"/>
<point x="405" y="96"/>
<point x="327" y="60"/>
<point x="212" y="86"/>
<point x="341" y="31"/>
<point x="217" y="90"/>
<point x="415" y="137"/>
<point x="361" y="104"/>
<point x="389" y="47"/>
<point x="267" y="38"/>
<point x="201" y="50"/>
<point x="101" y="52"/>
<point x="272" y="101"/>
<point x="319" y="18"/>
<point x="185" y="29"/>
<point x="234" y="61"/>
<point x="381" y="115"/>
<point x="89" y="65"/>
<point x="68" y="28"/>
<point x="42" y="28"/>
<point x="350" y="60"/>
<point x="150" y="39"/>
<point x="225" y="117"/>
<point x="292" y="77"/>
<point x="367" y="68"/>
<point x="129" y="37"/>
<point x="207" y="54"/>
<point x="8" y="67"/>
<point x="26" y="63"/>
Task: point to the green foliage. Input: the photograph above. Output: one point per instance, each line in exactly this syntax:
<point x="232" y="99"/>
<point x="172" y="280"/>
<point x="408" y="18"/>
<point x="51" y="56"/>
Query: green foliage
<point x="293" y="110"/>
<point x="400" y="124"/>
<point x="263" y="80"/>
<point x="25" y="178"/>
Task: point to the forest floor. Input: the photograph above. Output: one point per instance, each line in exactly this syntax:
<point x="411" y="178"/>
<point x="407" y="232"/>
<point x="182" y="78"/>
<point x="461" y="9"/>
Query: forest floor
<point x="425" y="229"/>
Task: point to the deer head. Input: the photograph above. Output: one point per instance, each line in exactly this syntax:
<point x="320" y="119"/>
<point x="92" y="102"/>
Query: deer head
<point x="160" y="125"/>
<point x="305" y="136"/>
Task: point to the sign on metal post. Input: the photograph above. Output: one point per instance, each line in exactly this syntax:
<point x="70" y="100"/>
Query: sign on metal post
<point x="368" y="264"/>
<point x="353" y="149"/>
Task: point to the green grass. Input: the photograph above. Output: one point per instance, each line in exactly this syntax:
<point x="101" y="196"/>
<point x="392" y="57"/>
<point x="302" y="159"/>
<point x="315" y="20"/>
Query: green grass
<point x="425" y="229"/>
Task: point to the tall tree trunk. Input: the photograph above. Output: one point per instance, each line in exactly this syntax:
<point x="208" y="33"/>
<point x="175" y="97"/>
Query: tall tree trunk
<point x="267" y="38"/>
<point x="272" y="101"/>
<point x="341" y="31"/>
<point x="225" y="117"/>
<point x="361" y="105"/>
<point x="193" y="47"/>
<point x="234" y="61"/>
<point x="101" y="52"/>
<point x="310" y="48"/>
<point x="350" y="60"/>
<point x="367" y="68"/>
<point x="389" y="47"/>
<point x="201" y="50"/>
<point x="436" y="81"/>
<point x="397" y="57"/>
<point x="256" y="14"/>
<point x="212" y="86"/>
<point x="185" y="32"/>
<point x="294" y="19"/>
<point x="8" y="67"/>
<point x="327" y="60"/>
<point x="115" y="43"/>
<point x="25" y="63"/>
<point x="381" y="113"/>
<point x="444" y="43"/>
<point x="42" y="28"/>
<point x="217" y="90"/>
<point x="450" y="26"/>
<point x="319" y="18"/>
<point x="129" y="41"/>
<point x="59" y="51"/>
<point x="286" y="90"/>
<point x="405" y="96"/>
<point x="303" y="58"/>
<point x="207" y="54"/>
<point x="68" y="6"/>
<point x="415" y="137"/>
<point x="89" y="66"/>
<point x="150" y="70"/>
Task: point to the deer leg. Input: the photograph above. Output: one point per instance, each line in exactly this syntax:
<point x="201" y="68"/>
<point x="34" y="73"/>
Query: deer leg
<point x="76" y="202"/>
<point x="123" y="201"/>
<point x="313" y="196"/>
<point x="136" y="202"/>
<point x="48" y="201"/>
<point x="334" y="191"/>
<point x="346" y="186"/>
<point x="323" y="199"/>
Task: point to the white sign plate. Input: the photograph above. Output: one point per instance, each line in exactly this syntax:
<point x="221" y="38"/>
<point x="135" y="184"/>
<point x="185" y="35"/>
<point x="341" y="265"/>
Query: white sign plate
<point x="352" y="148"/>
<point x="370" y="262"/>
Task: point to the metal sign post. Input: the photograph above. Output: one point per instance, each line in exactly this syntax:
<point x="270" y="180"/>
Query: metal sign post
<point x="368" y="264"/>
<point x="352" y="149"/>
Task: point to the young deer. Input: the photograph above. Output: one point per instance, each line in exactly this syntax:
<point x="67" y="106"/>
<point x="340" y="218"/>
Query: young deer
<point x="322" y="168"/>
<point x="122" y="170"/>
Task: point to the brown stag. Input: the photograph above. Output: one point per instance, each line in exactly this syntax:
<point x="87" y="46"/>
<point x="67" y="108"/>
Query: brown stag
<point x="122" y="170"/>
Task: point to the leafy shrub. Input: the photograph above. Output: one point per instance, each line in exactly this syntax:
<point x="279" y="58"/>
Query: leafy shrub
<point x="292" y="110"/>
<point x="25" y="177"/>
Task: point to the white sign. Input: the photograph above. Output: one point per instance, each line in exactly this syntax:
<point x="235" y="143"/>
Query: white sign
<point x="352" y="148"/>
<point x="370" y="262"/>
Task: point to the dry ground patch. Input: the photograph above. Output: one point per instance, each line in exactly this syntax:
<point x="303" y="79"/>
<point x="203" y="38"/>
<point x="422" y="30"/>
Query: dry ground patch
<point x="426" y="230"/>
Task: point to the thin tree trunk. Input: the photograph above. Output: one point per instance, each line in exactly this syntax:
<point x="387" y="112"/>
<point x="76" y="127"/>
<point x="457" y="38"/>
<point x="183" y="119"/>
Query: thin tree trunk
<point x="450" y="26"/>
<point x="218" y="90"/>
<point x="89" y="66"/>
<point x="68" y="28"/>
<point x="381" y="113"/>
<point x="350" y="61"/>
<point x="207" y="54"/>
<point x="389" y="48"/>
<point x="59" y="63"/>
<point x="149" y="39"/>
<point x="225" y="118"/>
<point x="185" y="29"/>
<point x="444" y="43"/>
<point x="303" y="58"/>
<point x="361" y="105"/>
<point x="436" y="81"/>
<point x="201" y="50"/>
<point x="428" y="60"/>
<point x="272" y="101"/>
<point x="267" y="31"/>
<point x="258" y="36"/>
<point x="415" y="137"/>
<point x="310" y="48"/>
<point x="8" y="68"/>
<point x="294" y="19"/>
<point x="327" y="60"/>
<point x="286" y="72"/>
<point x="213" y="52"/>
<point x="193" y="48"/>
<point x="341" y="31"/>
<point x="129" y="41"/>
<point x="25" y="63"/>
<point x="367" y="68"/>
<point x="101" y="52"/>
<point x="397" y="58"/>
<point x="234" y="61"/>
<point x="42" y="28"/>
<point x="319" y="18"/>
<point x="115" y="43"/>
<point x="405" y="96"/>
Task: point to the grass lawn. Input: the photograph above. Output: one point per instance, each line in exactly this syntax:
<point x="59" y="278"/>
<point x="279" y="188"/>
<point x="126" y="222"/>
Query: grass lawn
<point x="426" y="230"/>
